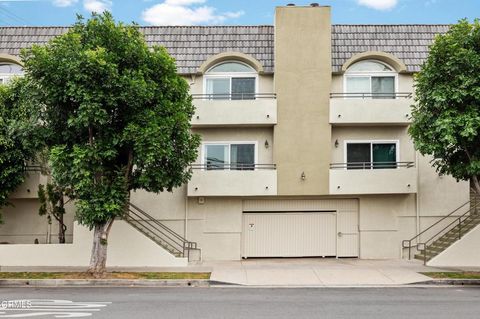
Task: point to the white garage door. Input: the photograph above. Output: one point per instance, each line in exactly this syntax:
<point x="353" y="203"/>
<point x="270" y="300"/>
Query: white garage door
<point x="289" y="234"/>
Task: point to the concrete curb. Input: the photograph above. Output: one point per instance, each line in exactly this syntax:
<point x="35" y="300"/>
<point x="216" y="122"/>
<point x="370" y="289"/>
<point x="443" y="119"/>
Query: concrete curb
<point x="450" y="282"/>
<point x="104" y="283"/>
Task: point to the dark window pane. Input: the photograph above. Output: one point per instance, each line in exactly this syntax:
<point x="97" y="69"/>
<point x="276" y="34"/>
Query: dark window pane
<point x="383" y="87"/>
<point x="358" y="155"/>
<point x="242" y="156"/>
<point x="384" y="156"/>
<point x="243" y="88"/>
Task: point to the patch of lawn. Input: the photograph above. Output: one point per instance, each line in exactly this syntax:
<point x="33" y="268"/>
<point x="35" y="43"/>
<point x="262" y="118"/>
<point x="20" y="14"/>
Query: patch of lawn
<point x="453" y="275"/>
<point x="108" y="275"/>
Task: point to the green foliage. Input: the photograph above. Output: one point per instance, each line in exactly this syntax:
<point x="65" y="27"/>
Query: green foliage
<point x="446" y="116"/>
<point x="20" y="135"/>
<point x="51" y="201"/>
<point x="116" y="115"/>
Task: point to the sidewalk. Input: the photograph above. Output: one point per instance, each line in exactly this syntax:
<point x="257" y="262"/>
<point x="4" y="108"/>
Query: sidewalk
<point x="319" y="272"/>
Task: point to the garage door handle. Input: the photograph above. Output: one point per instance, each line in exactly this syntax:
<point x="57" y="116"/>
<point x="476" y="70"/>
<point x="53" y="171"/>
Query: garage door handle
<point x="340" y="234"/>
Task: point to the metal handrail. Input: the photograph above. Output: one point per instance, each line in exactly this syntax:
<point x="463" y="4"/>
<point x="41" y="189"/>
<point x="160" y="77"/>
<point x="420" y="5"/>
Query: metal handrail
<point x="234" y="96"/>
<point x="371" y="165"/>
<point x="148" y="221"/>
<point x="234" y="167"/>
<point x="361" y="95"/>
<point x="424" y="243"/>
<point x="145" y="226"/>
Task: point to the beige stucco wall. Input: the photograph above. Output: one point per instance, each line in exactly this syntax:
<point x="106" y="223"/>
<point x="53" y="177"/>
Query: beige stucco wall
<point x="342" y="134"/>
<point x="127" y="248"/>
<point x="462" y="254"/>
<point x="265" y="83"/>
<point x="405" y="83"/>
<point x="302" y="84"/>
<point x="22" y="224"/>
<point x="258" y="135"/>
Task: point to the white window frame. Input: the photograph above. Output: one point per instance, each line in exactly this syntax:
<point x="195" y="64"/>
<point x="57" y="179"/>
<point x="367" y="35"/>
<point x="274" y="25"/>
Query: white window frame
<point x="371" y="142"/>
<point x="229" y="75"/>
<point x="369" y="74"/>
<point x="229" y="144"/>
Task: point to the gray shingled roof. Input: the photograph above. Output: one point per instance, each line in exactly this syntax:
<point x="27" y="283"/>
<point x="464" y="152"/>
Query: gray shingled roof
<point x="191" y="46"/>
<point x="409" y="43"/>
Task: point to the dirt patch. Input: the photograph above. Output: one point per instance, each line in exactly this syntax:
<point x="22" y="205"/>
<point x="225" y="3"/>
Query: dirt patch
<point x="108" y="275"/>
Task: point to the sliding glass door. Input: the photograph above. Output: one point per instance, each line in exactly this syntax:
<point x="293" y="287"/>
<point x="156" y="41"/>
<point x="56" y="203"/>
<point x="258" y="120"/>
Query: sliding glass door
<point x="229" y="156"/>
<point x="371" y="155"/>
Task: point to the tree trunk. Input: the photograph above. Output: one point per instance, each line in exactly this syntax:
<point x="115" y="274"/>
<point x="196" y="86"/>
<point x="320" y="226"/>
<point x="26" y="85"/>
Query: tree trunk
<point x="98" y="258"/>
<point x="476" y="185"/>
<point x="61" y="230"/>
<point x="61" y="224"/>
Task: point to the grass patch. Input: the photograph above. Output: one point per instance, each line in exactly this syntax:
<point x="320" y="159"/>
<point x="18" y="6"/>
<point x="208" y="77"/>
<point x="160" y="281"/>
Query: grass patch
<point x="453" y="275"/>
<point x="108" y="275"/>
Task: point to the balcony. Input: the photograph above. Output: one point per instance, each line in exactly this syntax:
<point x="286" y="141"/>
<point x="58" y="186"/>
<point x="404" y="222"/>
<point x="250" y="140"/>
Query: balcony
<point x="370" y="109"/>
<point x="373" y="178"/>
<point x="254" y="180"/>
<point x="29" y="188"/>
<point x="220" y="110"/>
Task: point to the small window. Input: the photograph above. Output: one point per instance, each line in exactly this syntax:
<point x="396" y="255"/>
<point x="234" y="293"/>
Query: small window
<point x="231" y="81"/>
<point x="229" y="67"/>
<point x="372" y="79"/>
<point x="372" y="155"/>
<point x="229" y="156"/>
<point x="8" y="71"/>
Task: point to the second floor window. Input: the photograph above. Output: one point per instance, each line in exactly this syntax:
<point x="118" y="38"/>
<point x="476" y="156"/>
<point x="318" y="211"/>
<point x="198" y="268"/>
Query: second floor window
<point x="371" y="155"/>
<point x="372" y="79"/>
<point x="234" y="156"/>
<point x="231" y="81"/>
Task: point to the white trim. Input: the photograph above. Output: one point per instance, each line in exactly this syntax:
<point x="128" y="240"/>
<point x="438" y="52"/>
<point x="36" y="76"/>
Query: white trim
<point x="230" y="75"/>
<point x="229" y="144"/>
<point x="396" y="142"/>
<point x="369" y="74"/>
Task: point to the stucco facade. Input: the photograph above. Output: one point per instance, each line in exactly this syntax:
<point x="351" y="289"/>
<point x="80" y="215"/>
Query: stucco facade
<point x="300" y="125"/>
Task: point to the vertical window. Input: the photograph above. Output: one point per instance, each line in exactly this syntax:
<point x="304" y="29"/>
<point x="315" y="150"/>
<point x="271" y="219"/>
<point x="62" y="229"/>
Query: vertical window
<point x="370" y="79"/>
<point x="231" y="81"/>
<point x="371" y="155"/>
<point x="216" y="156"/>
<point x="229" y="156"/>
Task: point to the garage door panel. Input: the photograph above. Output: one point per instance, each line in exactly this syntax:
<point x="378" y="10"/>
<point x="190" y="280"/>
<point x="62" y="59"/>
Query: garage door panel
<point x="298" y="234"/>
<point x="347" y="241"/>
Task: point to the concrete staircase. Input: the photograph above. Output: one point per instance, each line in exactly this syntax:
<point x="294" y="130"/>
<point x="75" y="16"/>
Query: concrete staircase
<point x="163" y="236"/>
<point x="445" y="232"/>
<point x="450" y="237"/>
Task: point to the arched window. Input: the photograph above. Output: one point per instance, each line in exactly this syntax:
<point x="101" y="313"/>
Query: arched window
<point x="231" y="80"/>
<point x="371" y="78"/>
<point x="9" y="70"/>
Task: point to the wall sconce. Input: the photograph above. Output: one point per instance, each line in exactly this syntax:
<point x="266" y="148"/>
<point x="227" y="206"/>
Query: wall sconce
<point x="336" y="143"/>
<point x="266" y="144"/>
<point x="303" y="176"/>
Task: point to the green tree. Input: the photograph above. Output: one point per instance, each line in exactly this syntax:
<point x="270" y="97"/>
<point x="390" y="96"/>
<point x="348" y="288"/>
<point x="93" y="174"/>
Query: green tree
<point x="446" y="115"/>
<point x="19" y="136"/>
<point x="117" y="118"/>
<point x="52" y="205"/>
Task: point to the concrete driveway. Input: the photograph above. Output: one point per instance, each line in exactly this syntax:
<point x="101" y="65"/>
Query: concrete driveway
<point x="319" y="272"/>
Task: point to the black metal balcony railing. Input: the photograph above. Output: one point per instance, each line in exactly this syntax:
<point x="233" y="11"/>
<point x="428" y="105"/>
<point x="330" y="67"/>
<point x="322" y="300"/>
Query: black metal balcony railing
<point x="372" y="165"/>
<point x="234" y="167"/>
<point x="234" y="96"/>
<point x="392" y="95"/>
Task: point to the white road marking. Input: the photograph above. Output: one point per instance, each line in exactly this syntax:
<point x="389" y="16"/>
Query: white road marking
<point x="51" y="308"/>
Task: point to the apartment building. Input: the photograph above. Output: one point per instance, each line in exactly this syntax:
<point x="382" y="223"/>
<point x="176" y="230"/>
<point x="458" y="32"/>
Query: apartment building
<point x="305" y="150"/>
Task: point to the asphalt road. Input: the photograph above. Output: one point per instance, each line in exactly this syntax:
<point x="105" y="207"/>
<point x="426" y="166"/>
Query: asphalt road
<point x="199" y="303"/>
